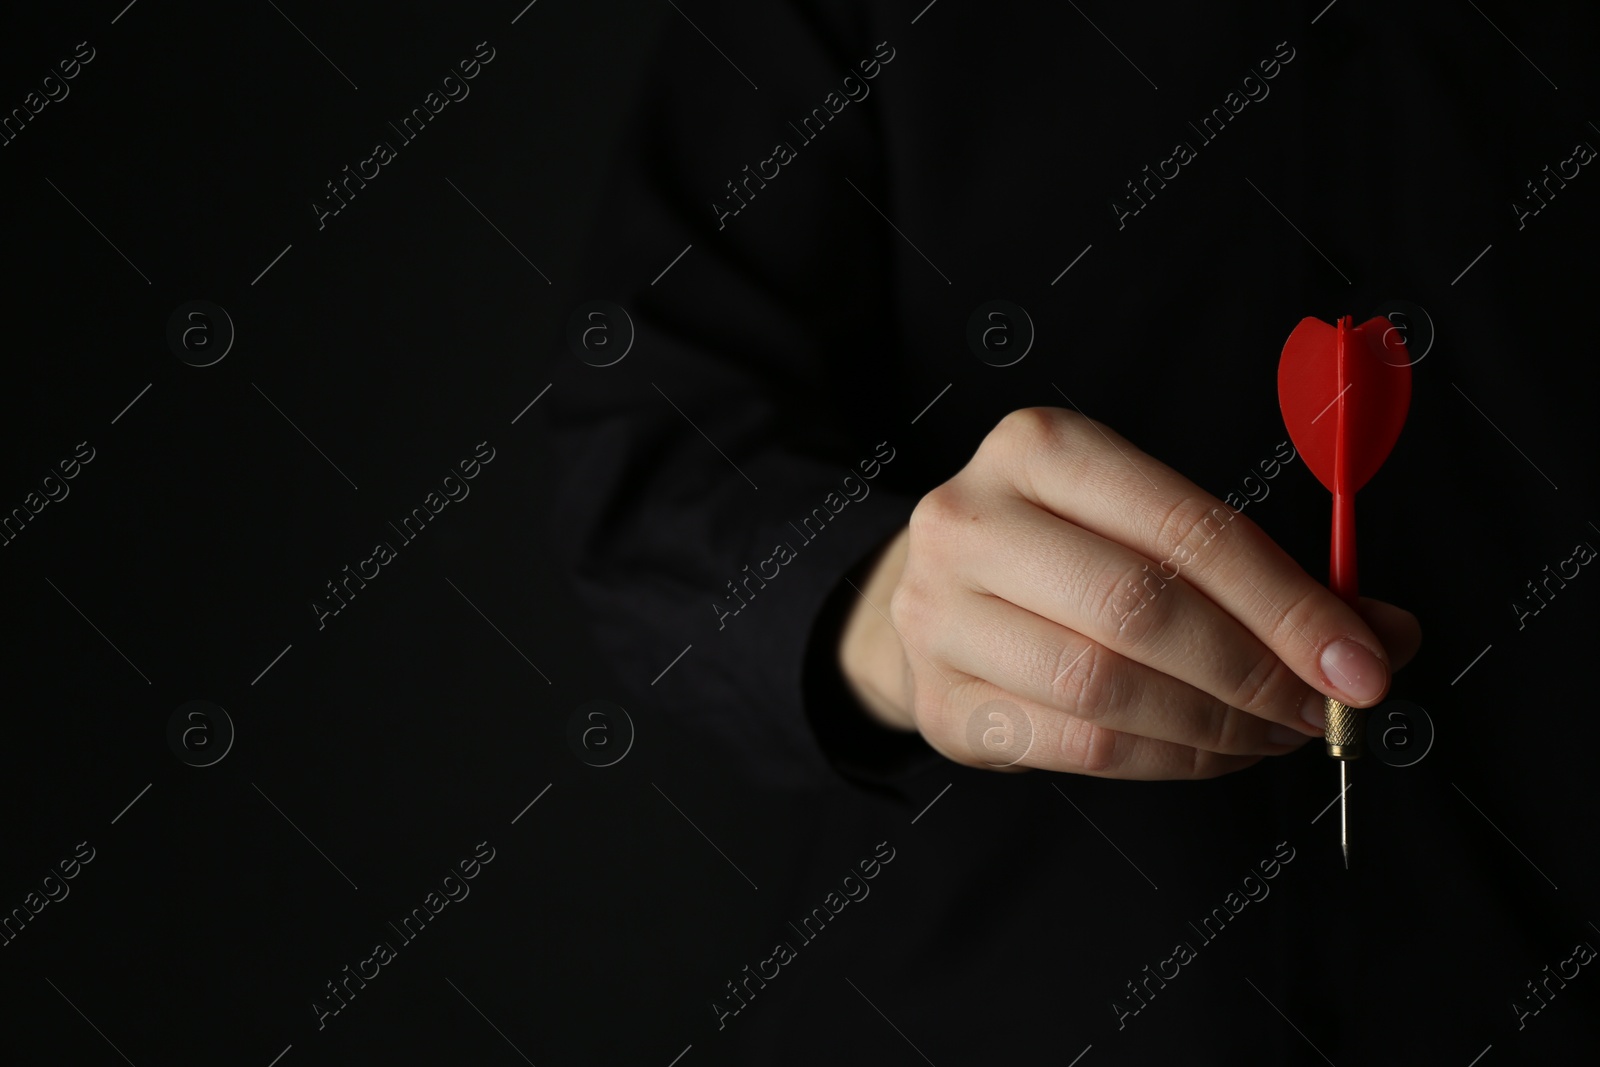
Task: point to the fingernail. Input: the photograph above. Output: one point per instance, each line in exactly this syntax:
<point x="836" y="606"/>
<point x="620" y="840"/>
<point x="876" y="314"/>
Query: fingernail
<point x="1280" y="734"/>
<point x="1314" y="711"/>
<point x="1354" y="671"/>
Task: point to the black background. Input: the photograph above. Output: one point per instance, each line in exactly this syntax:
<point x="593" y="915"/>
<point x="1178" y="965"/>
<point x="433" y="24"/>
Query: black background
<point x="412" y="725"/>
<point x="408" y="729"/>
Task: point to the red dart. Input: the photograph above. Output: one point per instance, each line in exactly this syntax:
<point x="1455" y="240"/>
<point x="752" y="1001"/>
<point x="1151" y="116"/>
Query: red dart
<point x="1344" y="391"/>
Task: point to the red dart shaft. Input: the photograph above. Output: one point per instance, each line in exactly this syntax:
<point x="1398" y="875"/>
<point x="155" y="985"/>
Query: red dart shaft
<point x="1342" y="565"/>
<point x="1342" y="551"/>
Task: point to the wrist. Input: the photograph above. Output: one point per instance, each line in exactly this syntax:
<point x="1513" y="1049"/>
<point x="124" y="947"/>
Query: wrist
<point x="871" y="656"/>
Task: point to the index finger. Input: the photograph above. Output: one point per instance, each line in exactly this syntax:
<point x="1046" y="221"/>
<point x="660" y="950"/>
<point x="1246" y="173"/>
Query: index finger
<point x="1087" y="474"/>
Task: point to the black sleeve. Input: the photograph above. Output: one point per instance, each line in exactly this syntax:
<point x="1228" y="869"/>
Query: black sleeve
<point x="744" y="431"/>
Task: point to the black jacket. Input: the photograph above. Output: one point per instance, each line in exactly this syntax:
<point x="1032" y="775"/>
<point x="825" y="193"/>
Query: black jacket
<point x="816" y="201"/>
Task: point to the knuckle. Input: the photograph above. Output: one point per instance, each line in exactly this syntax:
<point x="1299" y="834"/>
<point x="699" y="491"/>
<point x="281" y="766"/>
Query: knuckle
<point x="940" y="524"/>
<point x="942" y="718"/>
<point x="1089" y="748"/>
<point x="1186" y="526"/>
<point x="1029" y="424"/>
<point x="906" y="605"/>
<point x="1085" y="687"/>
<point x="1127" y="601"/>
<point x="1228" y="730"/>
<point x="927" y="706"/>
<point x="1265" y="686"/>
<point x="1065" y="744"/>
<point x="932" y="513"/>
<point x="1021" y="433"/>
<point x="1297" y="620"/>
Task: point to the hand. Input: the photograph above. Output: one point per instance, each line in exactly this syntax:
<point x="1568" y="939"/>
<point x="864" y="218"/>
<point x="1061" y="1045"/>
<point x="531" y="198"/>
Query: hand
<point x="1030" y="578"/>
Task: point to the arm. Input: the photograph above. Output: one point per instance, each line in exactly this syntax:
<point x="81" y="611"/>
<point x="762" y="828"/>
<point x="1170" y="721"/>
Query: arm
<point x="744" y="402"/>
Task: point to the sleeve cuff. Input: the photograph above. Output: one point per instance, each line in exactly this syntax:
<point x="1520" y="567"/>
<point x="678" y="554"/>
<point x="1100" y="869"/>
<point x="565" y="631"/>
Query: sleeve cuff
<point x="865" y="753"/>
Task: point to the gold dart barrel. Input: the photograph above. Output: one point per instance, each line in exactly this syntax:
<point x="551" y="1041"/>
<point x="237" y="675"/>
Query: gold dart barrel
<point x="1344" y="729"/>
<point x="1343" y="734"/>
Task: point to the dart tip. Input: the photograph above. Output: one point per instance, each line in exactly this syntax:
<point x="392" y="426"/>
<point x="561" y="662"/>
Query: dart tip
<point x="1344" y="811"/>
